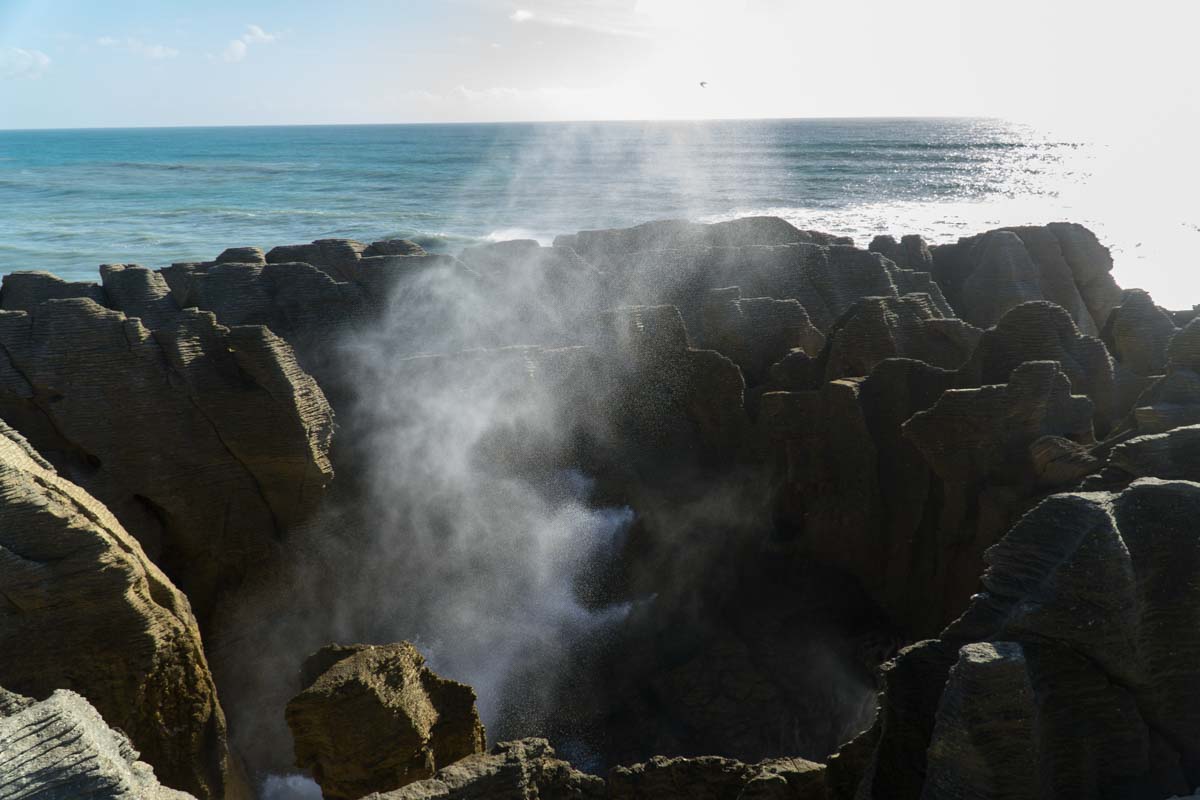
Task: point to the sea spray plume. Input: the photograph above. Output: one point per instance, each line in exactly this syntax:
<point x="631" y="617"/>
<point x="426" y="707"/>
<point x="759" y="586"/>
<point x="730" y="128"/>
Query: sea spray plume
<point x="530" y="177"/>
<point x="457" y="523"/>
<point x="476" y="399"/>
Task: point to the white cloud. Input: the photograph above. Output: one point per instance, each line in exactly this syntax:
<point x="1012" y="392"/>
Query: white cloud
<point x="234" y="51"/>
<point x="155" y="52"/>
<point x="595" y="25"/>
<point x="257" y="34"/>
<point x="237" y="48"/>
<point x="16" y="62"/>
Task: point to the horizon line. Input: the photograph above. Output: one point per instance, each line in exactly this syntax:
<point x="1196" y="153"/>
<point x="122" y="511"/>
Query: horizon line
<point x="499" y="122"/>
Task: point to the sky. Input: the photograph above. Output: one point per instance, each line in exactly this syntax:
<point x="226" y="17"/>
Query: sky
<point x="97" y="63"/>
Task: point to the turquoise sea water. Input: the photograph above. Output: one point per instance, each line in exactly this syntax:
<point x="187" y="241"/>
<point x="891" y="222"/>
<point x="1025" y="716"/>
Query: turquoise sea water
<point x="70" y="200"/>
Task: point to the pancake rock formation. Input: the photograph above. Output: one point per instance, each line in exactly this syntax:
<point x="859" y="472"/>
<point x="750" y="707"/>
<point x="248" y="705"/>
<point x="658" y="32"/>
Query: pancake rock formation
<point x="62" y="748"/>
<point x="82" y="608"/>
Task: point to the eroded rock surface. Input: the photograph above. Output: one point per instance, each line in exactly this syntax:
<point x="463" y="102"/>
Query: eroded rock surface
<point x="374" y="718"/>
<point x="1069" y="674"/>
<point x="61" y="748"/>
<point x="82" y="608"/>
<point x="206" y="441"/>
<point x="523" y="770"/>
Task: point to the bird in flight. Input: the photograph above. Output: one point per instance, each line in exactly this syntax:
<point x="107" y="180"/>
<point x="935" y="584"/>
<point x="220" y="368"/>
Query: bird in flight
<point x="703" y="84"/>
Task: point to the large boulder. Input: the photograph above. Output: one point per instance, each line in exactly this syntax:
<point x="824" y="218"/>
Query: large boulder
<point x="207" y="442"/>
<point x="61" y="748"/>
<point x="82" y="608"/>
<point x="373" y="718"/>
<point x="522" y="770"/>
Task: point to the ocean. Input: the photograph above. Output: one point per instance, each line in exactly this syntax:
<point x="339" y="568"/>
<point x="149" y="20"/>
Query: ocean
<point x="73" y="199"/>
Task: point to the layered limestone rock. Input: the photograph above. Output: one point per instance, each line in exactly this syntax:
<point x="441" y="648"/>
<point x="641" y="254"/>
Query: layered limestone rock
<point x="1071" y="673"/>
<point x="138" y="292"/>
<point x="606" y="248"/>
<point x="1138" y="333"/>
<point x="523" y="770"/>
<point x="342" y="259"/>
<point x="715" y="778"/>
<point x="986" y="275"/>
<point x="756" y="332"/>
<point x="207" y="442"/>
<point x="878" y="328"/>
<point x="336" y="257"/>
<point x="1173" y="455"/>
<point x="977" y="442"/>
<point x="911" y="252"/>
<point x="82" y="608"/>
<point x="1041" y="331"/>
<point x="61" y="747"/>
<point x="1173" y="400"/>
<point x="375" y="718"/>
<point x="825" y="280"/>
<point x="21" y="291"/>
<point x="903" y="483"/>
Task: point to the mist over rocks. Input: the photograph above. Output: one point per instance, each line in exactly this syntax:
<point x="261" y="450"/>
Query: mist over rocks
<point x="678" y="496"/>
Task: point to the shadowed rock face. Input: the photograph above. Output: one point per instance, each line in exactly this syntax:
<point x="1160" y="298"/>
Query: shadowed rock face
<point x="605" y="248"/>
<point x="879" y="328"/>
<point x="373" y="718"/>
<point x="986" y="275"/>
<point x="911" y="252"/>
<point x="208" y="442"/>
<point x="82" y="608"/>
<point x="1138" y="333"/>
<point x="1072" y="671"/>
<point x="21" y="291"/>
<point x="1041" y="331"/>
<point x="528" y="770"/>
<point x="61" y="747"/>
<point x="524" y="770"/>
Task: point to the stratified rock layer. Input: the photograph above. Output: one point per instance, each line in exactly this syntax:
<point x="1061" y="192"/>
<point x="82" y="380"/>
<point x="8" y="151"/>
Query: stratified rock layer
<point x="82" y="608"/>
<point x="207" y="442"/>
<point x="61" y="748"/>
